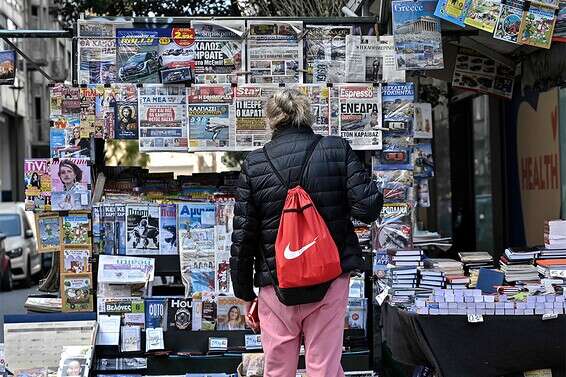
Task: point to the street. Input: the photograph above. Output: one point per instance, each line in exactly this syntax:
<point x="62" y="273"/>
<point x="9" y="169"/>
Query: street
<point x="13" y="303"/>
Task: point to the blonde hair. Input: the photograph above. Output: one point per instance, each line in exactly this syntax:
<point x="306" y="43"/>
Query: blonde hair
<point x="288" y="107"/>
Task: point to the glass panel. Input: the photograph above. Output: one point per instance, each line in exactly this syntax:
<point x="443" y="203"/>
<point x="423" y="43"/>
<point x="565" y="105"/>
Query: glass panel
<point x="10" y="225"/>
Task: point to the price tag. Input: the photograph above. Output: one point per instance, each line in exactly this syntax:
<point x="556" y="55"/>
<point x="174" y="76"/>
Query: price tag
<point x="548" y="316"/>
<point x="217" y="344"/>
<point x="382" y="296"/>
<point x="253" y="341"/>
<point x="475" y="318"/>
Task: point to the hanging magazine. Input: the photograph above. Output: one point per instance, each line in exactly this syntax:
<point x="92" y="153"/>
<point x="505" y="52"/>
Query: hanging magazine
<point x="360" y="115"/>
<point x="70" y="184"/>
<point x="88" y="111"/>
<point x="482" y="14"/>
<point x="537" y="27"/>
<point x="76" y="292"/>
<point x="137" y="55"/>
<point x="162" y="118"/>
<point x="454" y="11"/>
<point x="223" y="241"/>
<point x="76" y="229"/>
<point x="483" y="75"/>
<point x="509" y="21"/>
<point x="251" y="129"/>
<point x="196" y="241"/>
<point x="64" y="100"/>
<point x="126" y="112"/>
<point x="105" y="111"/>
<point x="319" y="97"/>
<point x="275" y="51"/>
<point x="48" y="227"/>
<point x="143" y="229"/>
<point x="418" y="41"/>
<point x="398" y="110"/>
<point x="168" y="231"/>
<point x="37" y="181"/>
<point x="422" y="126"/>
<point x="97" y="52"/>
<point x="219" y="51"/>
<point x="424" y="161"/>
<point x="371" y="59"/>
<point x="75" y="261"/>
<point x="325" y="53"/>
<point x="211" y="117"/>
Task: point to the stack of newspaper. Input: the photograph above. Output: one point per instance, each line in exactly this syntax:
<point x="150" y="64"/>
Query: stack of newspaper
<point x="43" y="304"/>
<point x="555" y="234"/>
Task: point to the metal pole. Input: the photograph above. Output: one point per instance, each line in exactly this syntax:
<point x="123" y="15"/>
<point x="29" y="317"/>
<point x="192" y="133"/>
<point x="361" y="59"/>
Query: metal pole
<point x="36" y="33"/>
<point x="45" y="74"/>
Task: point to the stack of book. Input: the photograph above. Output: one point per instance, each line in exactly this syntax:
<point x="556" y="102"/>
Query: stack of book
<point x="407" y="257"/>
<point x="552" y="268"/>
<point x="403" y="277"/>
<point x="453" y="271"/>
<point x="457" y="281"/>
<point x="555" y="234"/>
<point x="517" y="264"/>
<point x="475" y="260"/>
<point x="552" y="254"/>
<point x="432" y="279"/>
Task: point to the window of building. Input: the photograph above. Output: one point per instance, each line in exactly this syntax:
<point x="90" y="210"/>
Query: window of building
<point x="34" y="10"/>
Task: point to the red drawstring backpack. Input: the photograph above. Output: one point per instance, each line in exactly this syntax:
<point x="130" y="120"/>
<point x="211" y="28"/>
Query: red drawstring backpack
<point x="305" y="253"/>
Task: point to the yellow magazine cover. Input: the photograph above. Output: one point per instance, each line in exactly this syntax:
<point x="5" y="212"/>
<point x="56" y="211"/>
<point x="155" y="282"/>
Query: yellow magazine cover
<point x="483" y="14"/>
<point x="537" y="27"/>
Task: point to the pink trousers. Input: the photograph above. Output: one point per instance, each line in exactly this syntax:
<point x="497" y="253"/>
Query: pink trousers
<point x="321" y="323"/>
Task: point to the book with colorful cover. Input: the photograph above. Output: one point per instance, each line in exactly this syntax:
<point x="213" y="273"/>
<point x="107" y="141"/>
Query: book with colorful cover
<point x="48" y="226"/>
<point x="454" y="11"/>
<point x="483" y="14"/>
<point x="76" y="229"/>
<point x="75" y="260"/>
<point x="537" y="27"/>
<point x="509" y="20"/>
<point x="76" y="292"/>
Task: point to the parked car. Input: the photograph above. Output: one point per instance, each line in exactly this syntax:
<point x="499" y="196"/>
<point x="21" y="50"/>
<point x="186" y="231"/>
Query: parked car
<point x="20" y="244"/>
<point x="6" y="281"/>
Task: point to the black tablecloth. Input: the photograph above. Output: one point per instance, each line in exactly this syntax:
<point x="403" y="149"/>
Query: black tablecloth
<point x="500" y="345"/>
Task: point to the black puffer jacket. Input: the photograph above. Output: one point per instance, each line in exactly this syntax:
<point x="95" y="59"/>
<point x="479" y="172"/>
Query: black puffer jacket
<point x="338" y="184"/>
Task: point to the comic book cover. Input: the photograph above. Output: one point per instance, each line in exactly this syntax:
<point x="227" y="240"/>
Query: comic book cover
<point x="275" y="51"/>
<point x="179" y="314"/>
<point x="48" y="227"/>
<point x="319" y="97"/>
<point x="156" y="313"/>
<point x="37" y="183"/>
<point x="96" y="52"/>
<point x="76" y="229"/>
<point x="325" y="53"/>
<point x="219" y="51"/>
<point x="76" y="293"/>
<point x="223" y="241"/>
<point x="168" y="231"/>
<point x="70" y="184"/>
<point x="359" y="117"/>
<point x="75" y="260"/>
<point x="422" y="125"/>
<point x="88" y="111"/>
<point x="454" y="11"/>
<point x="211" y="118"/>
<point x="162" y="118"/>
<point x="108" y="218"/>
<point x="537" y="27"/>
<point x="424" y="161"/>
<point x="196" y="246"/>
<point x="418" y="41"/>
<point x="482" y="14"/>
<point x="120" y="229"/>
<point x="509" y="21"/>
<point x="398" y="109"/>
<point x="251" y="129"/>
<point x="231" y="313"/>
<point x="137" y="55"/>
<point x="143" y="229"/>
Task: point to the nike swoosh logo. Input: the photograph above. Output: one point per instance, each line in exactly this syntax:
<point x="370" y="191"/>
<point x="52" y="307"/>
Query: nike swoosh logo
<point x="292" y="254"/>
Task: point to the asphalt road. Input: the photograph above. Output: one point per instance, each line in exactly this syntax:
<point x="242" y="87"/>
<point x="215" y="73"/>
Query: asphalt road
<point x="13" y="303"/>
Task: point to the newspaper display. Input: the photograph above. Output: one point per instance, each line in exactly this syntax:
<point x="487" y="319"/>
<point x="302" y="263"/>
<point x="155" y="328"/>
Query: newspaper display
<point x="76" y="293"/>
<point x="319" y="98"/>
<point x="196" y="237"/>
<point x="223" y="241"/>
<point x="418" y="41"/>
<point x="219" y="51"/>
<point x="162" y="118"/>
<point x="211" y="117"/>
<point x="143" y="229"/>
<point x="177" y="54"/>
<point x="483" y="75"/>
<point x="125" y="270"/>
<point x="422" y="126"/>
<point x="509" y="20"/>
<point x="537" y="26"/>
<point x="275" y="51"/>
<point x="251" y="129"/>
<point x="168" y="231"/>
<point x="371" y="59"/>
<point x="125" y="112"/>
<point x="48" y="227"/>
<point x="325" y="53"/>
<point x="37" y="180"/>
<point x="70" y="184"/>
<point x="96" y="52"/>
<point x="360" y="115"/>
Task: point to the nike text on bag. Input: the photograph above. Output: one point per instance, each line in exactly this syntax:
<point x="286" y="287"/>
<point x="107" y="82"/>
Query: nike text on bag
<point x="305" y="253"/>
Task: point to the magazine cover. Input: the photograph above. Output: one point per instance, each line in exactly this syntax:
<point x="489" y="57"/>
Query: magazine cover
<point x="396" y="154"/>
<point x="179" y="314"/>
<point x="8" y="70"/>
<point x="97" y="230"/>
<point x="196" y="237"/>
<point x="97" y="60"/>
<point x="168" y="231"/>
<point x="137" y="55"/>
<point x="356" y="313"/>
<point x="360" y="115"/>
<point x="105" y="111"/>
<point x="69" y="200"/>
<point x="423" y="121"/>
<point x="398" y="109"/>
<point x="204" y="311"/>
<point x="156" y="313"/>
<point x="88" y="111"/>
<point x="64" y="100"/>
<point x="37" y="181"/>
<point x="76" y="293"/>
<point x="223" y="241"/>
<point x="454" y="11"/>
<point x="120" y="229"/>
<point x="177" y="53"/>
<point x="76" y="229"/>
<point x="73" y="367"/>
<point x="537" y="27"/>
<point x="219" y="51"/>
<point x="211" y="118"/>
<point x="48" y="227"/>
<point x="108" y="219"/>
<point x="325" y="53"/>
<point x="319" y="97"/>
<point x="390" y="73"/>
<point x="231" y="313"/>
<point x="482" y="14"/>
<point x="70" y="184"/>
<point x="75" y="261"/>
<point x="143" y="229"/>
<point x="275" y="51"/>
<point x="251" y="130"/>
<point x="68" y="143"/>
<point x="162" y="118"/>
<point x="119" y="269"/>
<point x="126" y="120"/>
<point x="560" y="26"/>
<point x="418" y="41"/>
<point x="424" y="161"/>
<point x="509" y="21"/>
<point x="483" y="75"/>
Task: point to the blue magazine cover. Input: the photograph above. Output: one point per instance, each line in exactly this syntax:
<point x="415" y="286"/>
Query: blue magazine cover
<point x="398" y="109"/>
<point x="156" y="313"/>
